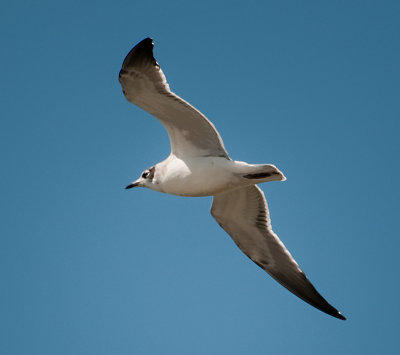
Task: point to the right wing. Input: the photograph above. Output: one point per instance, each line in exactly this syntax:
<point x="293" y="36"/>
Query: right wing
<point x="244" y="214"/>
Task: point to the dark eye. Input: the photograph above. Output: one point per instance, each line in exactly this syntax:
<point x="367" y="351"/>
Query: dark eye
<point x="145" y="174"/>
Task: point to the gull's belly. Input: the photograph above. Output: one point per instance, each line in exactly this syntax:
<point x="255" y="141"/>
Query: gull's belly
<point x="196" y="185"/>
<point x="198" y="177"/>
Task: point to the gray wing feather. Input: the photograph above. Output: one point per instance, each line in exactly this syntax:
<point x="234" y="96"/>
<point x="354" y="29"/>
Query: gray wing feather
<point x="144" y="84"/>
<point x="244" y="214"/>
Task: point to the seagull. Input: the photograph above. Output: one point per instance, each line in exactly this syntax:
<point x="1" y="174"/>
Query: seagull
<point x="199" y="165"/>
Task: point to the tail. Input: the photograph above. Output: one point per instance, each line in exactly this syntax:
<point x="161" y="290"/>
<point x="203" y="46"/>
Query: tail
<point x="264" y="172"/>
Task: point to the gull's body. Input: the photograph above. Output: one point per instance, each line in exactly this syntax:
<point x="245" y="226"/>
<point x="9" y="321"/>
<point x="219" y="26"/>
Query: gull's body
<point x="199" y="165"/>
<point x="187" y="176"/>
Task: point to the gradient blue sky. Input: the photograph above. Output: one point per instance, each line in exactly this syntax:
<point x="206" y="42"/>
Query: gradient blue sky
<point x="89" y="268"/>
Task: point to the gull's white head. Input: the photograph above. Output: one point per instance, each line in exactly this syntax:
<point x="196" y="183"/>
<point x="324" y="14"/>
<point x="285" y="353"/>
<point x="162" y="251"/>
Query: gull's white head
<point x="145" y="180"/>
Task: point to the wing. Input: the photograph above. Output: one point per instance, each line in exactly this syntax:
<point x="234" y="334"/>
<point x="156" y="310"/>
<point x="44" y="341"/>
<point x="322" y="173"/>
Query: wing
<point x="244" y="214"/>
<point x="144" y="84"/>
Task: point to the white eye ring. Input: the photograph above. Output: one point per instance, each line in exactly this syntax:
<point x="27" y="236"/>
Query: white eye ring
<point x="145" y="174"/>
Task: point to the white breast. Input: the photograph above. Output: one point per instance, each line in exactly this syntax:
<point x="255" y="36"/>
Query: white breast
<point x="199" y="176"/>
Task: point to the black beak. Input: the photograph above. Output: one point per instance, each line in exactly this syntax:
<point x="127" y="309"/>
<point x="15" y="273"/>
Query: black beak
<point x="133" y="184"/>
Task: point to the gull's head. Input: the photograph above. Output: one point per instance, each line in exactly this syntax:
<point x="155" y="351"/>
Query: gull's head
<point x="145" y="180"/>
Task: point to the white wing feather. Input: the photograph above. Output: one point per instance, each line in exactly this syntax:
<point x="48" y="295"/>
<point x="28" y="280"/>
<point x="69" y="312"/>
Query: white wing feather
<point x="244" y="214"/>
<point x="144" y="84"/>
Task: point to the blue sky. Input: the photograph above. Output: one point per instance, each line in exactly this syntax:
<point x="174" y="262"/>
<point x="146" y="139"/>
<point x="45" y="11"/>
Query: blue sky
<point x="89" y="268"/>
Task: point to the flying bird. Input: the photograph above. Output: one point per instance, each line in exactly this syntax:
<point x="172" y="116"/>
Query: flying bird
<point x="199" y="165"/>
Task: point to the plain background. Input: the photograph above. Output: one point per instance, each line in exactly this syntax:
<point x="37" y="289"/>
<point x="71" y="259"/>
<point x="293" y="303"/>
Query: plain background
<point x="89" y="268"/>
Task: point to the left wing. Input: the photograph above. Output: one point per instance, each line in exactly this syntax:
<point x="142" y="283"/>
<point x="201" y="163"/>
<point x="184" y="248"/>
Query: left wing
<point x="144" y="84"/>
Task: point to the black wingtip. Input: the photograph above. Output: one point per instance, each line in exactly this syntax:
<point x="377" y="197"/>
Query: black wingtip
<point x="327" y="308"/>
<point x="340" y="316"/>
<point x="145" y="45"/>
<point x="332" y="311"/>
<point x="141" y="53"/>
